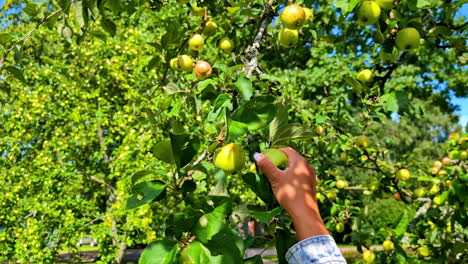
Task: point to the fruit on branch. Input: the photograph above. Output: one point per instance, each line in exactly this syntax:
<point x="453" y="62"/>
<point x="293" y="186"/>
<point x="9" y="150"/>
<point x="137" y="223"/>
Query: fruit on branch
<point x="437" y="164"/>
<point x="288" y="37"/>
<point x="309" y="16"/>
<point x="434" y="189"/>
<point x="173" y="63"/>
<point x="446" y="161"/>
<point x="424" y="251"/>
<point x="368" y="256"/>
<point x="388" y="245"/>
<point x="464" y="155"/>
<point x="434" y="170"/>
<point x="202" y="69"/>
<point x="447" y="183"/>
<point x="319" y="130"/>
<point x="196" y="42"/>
<point x="331" y="195"/>
<point x="278" y="157"/>
<point x="441" y="173"/>
<point x="343" y="156"/>
<point x="365" y="76"/>
<point x="182" y="2"/>
<point x="210" y="28"/>
<point x="397" y="196"/>
<point x="184" y="63"/>
<point x="385" y="4"/>
<point x="230" y="158"/>
<point x="368" y="13"/>
<point x="420" y="192"/>
<point x="293" y="16"/>
<point x="340" y="184"/>
<point x="374" y="186"/>
<point x="403" y="174"/>
<point x="226" y="44"/>
<point x="362" y="141"/>
<point x="454" y="155"/>
<point x="198" y="11"/>
<point x="339" y="227"/>
<point x="437" y="200"/>
<point x="407" y="39"/>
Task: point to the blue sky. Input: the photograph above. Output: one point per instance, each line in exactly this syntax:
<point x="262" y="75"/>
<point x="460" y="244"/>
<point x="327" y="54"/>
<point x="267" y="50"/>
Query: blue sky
<point x="461" y="102"/>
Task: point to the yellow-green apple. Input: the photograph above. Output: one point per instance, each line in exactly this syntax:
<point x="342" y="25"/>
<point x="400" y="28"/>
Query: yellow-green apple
<point x="362" y="141"/>
<point x="407" y="39"/>
<point x="226" y="44"/>
<point x="230" y="158"/>
<point x="196" y="42"/>
<point x="368" y="13"/>
<point x="365" y="76"/>
<point x="339" y="227"/>
<point x="319" y="130"/>
<point x="309" y="16"/>
<point x="278" y="157"/>
<point x="388" y="245"/>
<point x="385" y="4"/>
<point x="210" y="28"/>
<point x="173" y="64"/>
<point x="368" y="256"/>
<point x="288" y="37"/>
<point x="198" y="11"/>
<point x="340" y="184"/>
<point x="403" y="174"/>
<point x="293" y="16"/>
<point x="424" y="251"/>
<point x="185" y="63"/>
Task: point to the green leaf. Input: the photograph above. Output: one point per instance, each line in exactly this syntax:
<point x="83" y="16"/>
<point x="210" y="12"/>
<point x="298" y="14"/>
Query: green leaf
<point x="292" y="132"/>
<point x="145" y="193"/>
<point x="98" y="34"/>
<point x="140" y="174"/>
<point x="197" y="253"/>
<point x="163" y="151"/>
<point x="5" y="39"/>
<point x="396" y="102"/>
<point x="159" y="252"/>
<point x="354" y="83"/>
<point x="266" y="216"/>
<point x="426" y="4"/>
<point x="346" y="5"/>
<point x="260" y="185"/>
<point x="257" y="113"/>
<point x="228" y="245"/>
<point x="222" y="102"/>
<point x="284" y="241"/>
<point x="210" y="224"/>
<point x="280" y="120"/>
<point x="236" y="129"/>
<point x="257" y="259"/>
<point x="81" y="14"/>
<point x="65" y="31"/>
<point x="32" y="9"/>
<point x="109" y="26"/>
<point x="16" y="72"/>
<point x="402" y="224"/>
<point x="172" y="88"/>
<point x="244" y="87"/>
<point x="184" y="148"/>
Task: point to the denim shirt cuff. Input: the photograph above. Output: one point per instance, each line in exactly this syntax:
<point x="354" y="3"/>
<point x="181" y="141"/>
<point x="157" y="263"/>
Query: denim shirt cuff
<point x="317" y="249"/>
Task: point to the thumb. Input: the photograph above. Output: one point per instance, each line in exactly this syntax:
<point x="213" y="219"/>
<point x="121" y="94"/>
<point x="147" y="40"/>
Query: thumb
<point x="265" y="164"/>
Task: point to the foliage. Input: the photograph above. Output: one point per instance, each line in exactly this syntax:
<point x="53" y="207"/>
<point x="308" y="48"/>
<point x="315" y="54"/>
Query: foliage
<point x="99" y="134"/>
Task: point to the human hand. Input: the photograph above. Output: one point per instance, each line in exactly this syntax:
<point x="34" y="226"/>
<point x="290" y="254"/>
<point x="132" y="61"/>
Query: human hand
<point x="294" y="189"/>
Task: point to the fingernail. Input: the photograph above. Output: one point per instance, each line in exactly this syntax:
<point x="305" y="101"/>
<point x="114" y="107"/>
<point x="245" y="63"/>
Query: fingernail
<point x="257" y="156"/>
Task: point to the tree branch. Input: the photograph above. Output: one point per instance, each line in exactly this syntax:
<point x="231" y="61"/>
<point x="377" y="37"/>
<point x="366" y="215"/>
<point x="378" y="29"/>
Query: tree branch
<point x="253" y="51"/>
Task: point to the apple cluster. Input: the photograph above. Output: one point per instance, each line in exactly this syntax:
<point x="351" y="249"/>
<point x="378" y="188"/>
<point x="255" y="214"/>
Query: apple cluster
<point x="293" y="18"/>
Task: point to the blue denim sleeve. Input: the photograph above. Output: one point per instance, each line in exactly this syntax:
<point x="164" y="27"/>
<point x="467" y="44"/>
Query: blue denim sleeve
<point x="317" y="250"/>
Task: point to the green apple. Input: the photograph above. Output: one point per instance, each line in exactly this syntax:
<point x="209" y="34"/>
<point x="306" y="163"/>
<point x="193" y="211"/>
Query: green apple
<point x="226" y="44"/>
<point x="319" y="130"/>
<point x="434" y="189"/>
<point x="230" y="158"/>
<point x="447" y="183"/>
<point x="464" y="155"/>
<point x="293" y="16"/>
<point x="362" y="141"/>
<point x="339" y="227"/>
<point x="278" y="157"/>
<point x="309" y="16"/>
<point x="196" y="42"/>
<point x="368" y="256"/>
<point x="184" y="63"/>
<point x="182" y="2"/>
<point x="173" y="63"/>
<point x="331" y="195"/>
<point x="288" y="37"/>
<point x="385" y="4"/>
<point x="343" y="156"/>
<point x="340" y="184"/>
<point x="424" y="251"/>
<point x="368" y="13"/>
<point x="210" y="28"/>
<point x="407" y="39"/>
<point x="374" y="186"/>
<point x="403" y="174"/>
<point x="365" y="76"/>
<point x="437" y="164"/>
<point x="318" y="196"/>
<point x="419" y="192"/>
<point x="437" y="200"/>
<point x="388" y="245"/>
<point x="454" y="155"/>
<point x="202" y="69"/>
<point x="198" y="11"/>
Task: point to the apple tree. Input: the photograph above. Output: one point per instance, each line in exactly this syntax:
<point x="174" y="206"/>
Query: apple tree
<point x="138" y="120"/>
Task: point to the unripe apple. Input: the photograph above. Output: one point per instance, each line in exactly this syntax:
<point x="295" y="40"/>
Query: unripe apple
<point x="230" y="158"/>
<point x="184" y="63"/>
<point x="318" y="196"/>
<point x="374" y="186"/>
<point x="343" y="156"/>
<point x="196" y="42"/>
<point x="339" y="227"/>
<point x="278" y="157"/>
<point x="198" y="11"/>
<point x="437" y="164"/>
<point x="226" y="44"/>
<point x="319" y="130"/>
<point x="202" y="69"/>
<point x="252" y="168"/>
<point x="385" y="4"/>
<point x="434" y="189"/>
<point x="288" y="37"/>
<point x="446" y="161"/>
<point x="173" y="63"/>
<point x="331" y="195"/>
<point x="403" y="174"/>
<point x="368" y="256"/>
<point x="210" y="28"/>
<point x="437" y="200"/>
<point x="365" y="76"/>
<point x="368" y="13"/>
<point x="388" y="245"/>
<point x="424" y="251"/>
<point x="293" y="16"/>
<point x="340" y="184"/>
<point x="447" y="183"/>
<point x="464" y="155"/>
<point x="407" y="39"/>
<point x="182" y="2"/>
<point x="454" y="155"/>
<point x="309" y="16"/>
<point x="431" y="225"/>
<point x="419" y="192"/>
<point x="441" y="173"/>
<point x="362" y="141"/>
